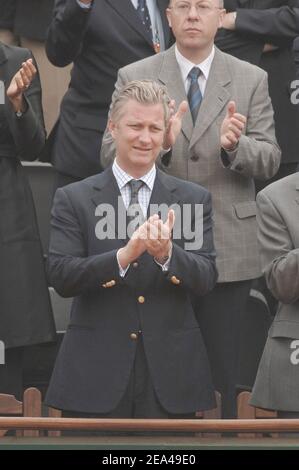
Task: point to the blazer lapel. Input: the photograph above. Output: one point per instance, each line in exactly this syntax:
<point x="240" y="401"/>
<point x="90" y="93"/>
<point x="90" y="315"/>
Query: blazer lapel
<point x="164" y="192"/>
<point x="215" y="98"/>
<point x="106" y="191"/>
<point x="128" y="12"/>
<point x="170" y="76"/>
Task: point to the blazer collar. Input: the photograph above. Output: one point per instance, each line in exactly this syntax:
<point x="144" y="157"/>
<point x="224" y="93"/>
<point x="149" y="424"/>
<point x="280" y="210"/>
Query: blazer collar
<point x="106" y="191"/>
<point x="164" y="191"/>
<point x="128" y="12"/>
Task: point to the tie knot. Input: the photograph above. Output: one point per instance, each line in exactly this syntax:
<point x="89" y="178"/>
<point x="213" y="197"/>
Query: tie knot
<point x="135" y="185"/>
<point x="194" y="73"/>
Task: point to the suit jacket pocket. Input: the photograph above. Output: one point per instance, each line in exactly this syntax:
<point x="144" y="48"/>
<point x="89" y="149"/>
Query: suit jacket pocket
<point x="245" y="209"/>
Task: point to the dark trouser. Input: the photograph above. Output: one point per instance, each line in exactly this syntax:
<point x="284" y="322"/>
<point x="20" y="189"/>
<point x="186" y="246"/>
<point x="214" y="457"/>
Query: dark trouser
<point x="11" y="380"/>
<point x="140" y="400"/>
<point x="219" y="315"/>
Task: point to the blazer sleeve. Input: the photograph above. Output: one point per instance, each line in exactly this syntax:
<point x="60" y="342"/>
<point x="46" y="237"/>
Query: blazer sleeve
<point x="28" y="131"/>
<point x="280" y="260"/>
<point x="66" y="32"/>
<point x="274" y="25"/>
<point x="258" y="154"/>
<point x="71" y="270"/>
<point x="195" y="266"/>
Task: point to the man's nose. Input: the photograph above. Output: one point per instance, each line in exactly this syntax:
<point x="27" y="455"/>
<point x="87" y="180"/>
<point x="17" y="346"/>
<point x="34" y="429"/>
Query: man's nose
<point x="193" y="12"/>
<point x="144" y="136"/>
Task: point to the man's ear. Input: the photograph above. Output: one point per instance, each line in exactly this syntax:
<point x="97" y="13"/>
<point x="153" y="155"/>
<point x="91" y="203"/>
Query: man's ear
<point x="112" y="127"/>
<point x="168" y="16"/>
<point x="221" y="17"/>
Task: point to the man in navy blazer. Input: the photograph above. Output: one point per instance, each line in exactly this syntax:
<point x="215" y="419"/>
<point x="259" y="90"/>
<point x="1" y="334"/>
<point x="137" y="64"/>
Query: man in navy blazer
<point x="133" y="347"/>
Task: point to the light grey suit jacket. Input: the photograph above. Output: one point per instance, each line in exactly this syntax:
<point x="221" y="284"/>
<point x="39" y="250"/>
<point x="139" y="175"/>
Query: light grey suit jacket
<point x="196" y="156"/>
<point x="277" y="382"/>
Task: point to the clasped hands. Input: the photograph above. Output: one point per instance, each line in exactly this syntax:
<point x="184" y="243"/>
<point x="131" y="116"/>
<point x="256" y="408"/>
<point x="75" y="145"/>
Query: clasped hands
<point x="152" y="236"/>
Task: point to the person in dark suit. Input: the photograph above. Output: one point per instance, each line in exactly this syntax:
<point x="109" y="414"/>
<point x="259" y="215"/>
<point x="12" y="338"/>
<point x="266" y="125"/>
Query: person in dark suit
<point x="262" y="32"/>
<point x="133" y="347"/>
<point x="25" y="311"/>
<point x="100" y="39"/>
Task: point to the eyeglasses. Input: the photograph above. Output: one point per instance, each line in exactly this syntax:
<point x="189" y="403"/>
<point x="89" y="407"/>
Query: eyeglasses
<point x="184" y="8"/>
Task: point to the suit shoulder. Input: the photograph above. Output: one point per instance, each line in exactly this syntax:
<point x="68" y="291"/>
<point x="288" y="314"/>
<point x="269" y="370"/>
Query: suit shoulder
<point x="78" y="189"/>
<point x="280" y="189"/>
<point x="151" y="62"/>
<point x="242" y="65"/>
<point x="16" y="53"/>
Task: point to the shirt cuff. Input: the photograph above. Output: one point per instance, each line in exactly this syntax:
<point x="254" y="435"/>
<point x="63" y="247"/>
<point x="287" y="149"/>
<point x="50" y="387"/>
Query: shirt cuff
<point x="165" y="266"/>
<point x="122" y="271"/>
<point x="228" y="156"/>
<point x="83" y="5"/>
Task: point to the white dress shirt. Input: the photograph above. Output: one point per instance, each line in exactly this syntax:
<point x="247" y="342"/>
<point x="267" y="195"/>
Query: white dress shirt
<point x="186" y="66"/>
<point x="144" y="193"/>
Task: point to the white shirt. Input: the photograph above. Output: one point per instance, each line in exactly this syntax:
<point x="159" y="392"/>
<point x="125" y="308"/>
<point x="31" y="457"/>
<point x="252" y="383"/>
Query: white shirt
<point x="144" y="193"/>
<point x="186" y="66"/>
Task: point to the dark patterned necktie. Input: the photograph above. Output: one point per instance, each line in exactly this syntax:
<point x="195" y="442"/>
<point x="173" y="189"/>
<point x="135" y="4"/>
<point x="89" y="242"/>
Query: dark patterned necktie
<point x="134" y="211"/>
<point x="194" y="93"/>
<point x="143" y="12"/>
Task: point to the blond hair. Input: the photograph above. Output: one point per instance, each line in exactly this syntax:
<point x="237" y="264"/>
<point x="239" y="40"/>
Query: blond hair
<point x="146" y="92"/>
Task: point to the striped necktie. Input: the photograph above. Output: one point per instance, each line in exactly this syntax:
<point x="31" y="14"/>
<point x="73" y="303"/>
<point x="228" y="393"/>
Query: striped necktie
<point x="194" y="93"/>
<point x="134" y="211"/>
